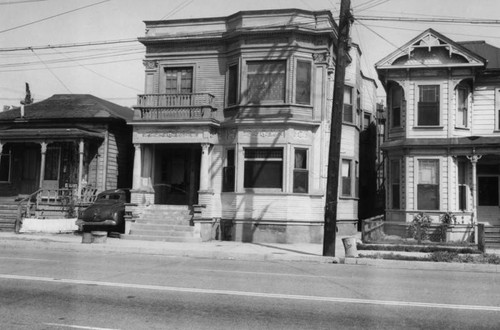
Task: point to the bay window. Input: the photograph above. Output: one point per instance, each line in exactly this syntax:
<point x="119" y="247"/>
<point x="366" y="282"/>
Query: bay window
<point x="232" y="85"/>
<point x="303" y="83"/>
<point x="462" y="97"/>
<point x="263" y="168"/>
<point x="428" y="184"/>
<point x="300" y="172"/>
<point x="346" y="172"/>
<point x="266" y="81"/>
<point x="396" y="101"/>
<point x="348" y="115"/>
<point x="428" y="105"/>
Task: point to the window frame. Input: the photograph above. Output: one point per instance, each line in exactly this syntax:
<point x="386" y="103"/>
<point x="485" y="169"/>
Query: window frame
<point x="395" y="180"/>
<point x="393" y="114"/>
<point x="346" y="179"/>
<point x="228" y="186"/>
<point x="497" y="109"/>
<point x="347" y="105"/>
<point x="465" y="117"/>
<point x="462" y="187"/>
<point x="297" y="171"/>
<point x="247" y="86"/>
<point x="246" y="159"/>
<point x="233" y="87"/>
<point x="310" y="88"/>
<point x="418" y="114"/>
<point x="419" y="185"/>
<point x="179" y="67"/>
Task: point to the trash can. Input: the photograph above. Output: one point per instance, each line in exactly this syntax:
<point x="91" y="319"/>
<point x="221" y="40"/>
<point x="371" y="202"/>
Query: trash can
<point x="99" y="236"/>
<point x="350" y="247"/>
<point x="87" y="238"/>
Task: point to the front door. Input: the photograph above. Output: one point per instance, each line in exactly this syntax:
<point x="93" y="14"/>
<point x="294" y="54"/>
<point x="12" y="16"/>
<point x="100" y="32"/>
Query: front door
<point x="52" y="168"/>
<point x="488" y="210"/>
<point x="30" y="170"/>
<point x="176" y="179"/>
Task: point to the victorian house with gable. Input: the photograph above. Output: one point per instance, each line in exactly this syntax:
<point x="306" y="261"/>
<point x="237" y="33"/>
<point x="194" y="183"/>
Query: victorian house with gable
<point x="443" y="131"/>
<point x="233" y="127"/>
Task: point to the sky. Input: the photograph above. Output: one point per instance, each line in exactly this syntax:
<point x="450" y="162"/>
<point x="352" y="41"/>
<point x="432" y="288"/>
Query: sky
<point x="114" y="71"/>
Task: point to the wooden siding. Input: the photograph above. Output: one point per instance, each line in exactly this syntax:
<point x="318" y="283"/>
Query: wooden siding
<point x="483" y="112"/>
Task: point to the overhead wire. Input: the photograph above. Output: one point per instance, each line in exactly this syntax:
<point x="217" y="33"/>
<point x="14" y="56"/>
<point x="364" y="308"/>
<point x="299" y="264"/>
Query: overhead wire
<point x="53" y="73"/>
<point x="19" y="2"/>
<point x="53" y="16"/>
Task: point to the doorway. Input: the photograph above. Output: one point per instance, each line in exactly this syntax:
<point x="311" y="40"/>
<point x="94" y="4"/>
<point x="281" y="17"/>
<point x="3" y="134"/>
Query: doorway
<point x="52" y="168"/>
<point x="488" y="199"/>
<point x="177" y="174"/>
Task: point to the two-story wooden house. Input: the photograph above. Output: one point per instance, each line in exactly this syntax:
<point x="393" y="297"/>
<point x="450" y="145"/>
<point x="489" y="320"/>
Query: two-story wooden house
<point x="443" y="127"/>
<point x="234" y="126"/>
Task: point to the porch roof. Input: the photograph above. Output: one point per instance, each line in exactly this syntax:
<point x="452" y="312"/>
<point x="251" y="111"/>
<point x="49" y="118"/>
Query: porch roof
<point x="24" y="134"/>
<point x="476" y="142"/>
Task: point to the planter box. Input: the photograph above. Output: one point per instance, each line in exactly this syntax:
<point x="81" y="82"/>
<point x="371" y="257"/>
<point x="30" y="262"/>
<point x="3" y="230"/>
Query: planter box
<point x="33" y="225"/>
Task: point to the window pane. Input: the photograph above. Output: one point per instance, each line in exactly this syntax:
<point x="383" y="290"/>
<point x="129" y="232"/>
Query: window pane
<point x="462" y="106"/>
<point x="395" y="196"/>
<point x="232" y="88"/>
<point x="263" y="174"/>
<point x="303" y="83"/>
<point x="300" y="158"/>
<point x="266" y="81"/>
<point x="396" y="98"/>
<point x="348" y="108"/>
<point x="346" y="177"/>
<point x="5" y="167"/>
<point x="428" y="105"/>
<point x="428" y="184"/>
<point x="300" y="181"/>
<point x="228" y="172"/>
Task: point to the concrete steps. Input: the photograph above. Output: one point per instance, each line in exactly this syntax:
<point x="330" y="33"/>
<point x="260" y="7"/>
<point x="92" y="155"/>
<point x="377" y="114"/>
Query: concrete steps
<point x="167" y="223"/>
<point x="492" y="237"/>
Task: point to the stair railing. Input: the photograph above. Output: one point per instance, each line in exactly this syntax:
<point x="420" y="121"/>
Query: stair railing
<point x="24" y="209"/>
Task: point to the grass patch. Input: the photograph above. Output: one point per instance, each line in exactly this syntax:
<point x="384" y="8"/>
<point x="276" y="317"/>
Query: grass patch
<point x="440" y="256"/>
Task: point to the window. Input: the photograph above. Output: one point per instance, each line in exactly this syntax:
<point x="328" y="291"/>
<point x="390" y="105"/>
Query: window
<point x="232" y="85"/>
<point x="300" y="172"/>
<point x="367" y="119"/>
<point x="303" y="83"/>
<point x="348" y="111"/>
<point x="346" y="177"/>
<point x="52" y="161"/>
<point x="462" y="106"/>
<point x="428" y="105"/>
<point x="428" y="184"/>
<point x="179" y="80"/>
<point x="395" y="177"/>
<point x="228" y="172"/>
<point x="462" y="185"/>
<point x="266" y="81"/>
<point x="396" y="101"/>
<point x="263" y="168"/>
<point x="497" y="106"/>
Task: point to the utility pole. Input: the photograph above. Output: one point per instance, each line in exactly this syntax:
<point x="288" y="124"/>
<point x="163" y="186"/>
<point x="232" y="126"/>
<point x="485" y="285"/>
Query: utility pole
<point x="332" y="185"/>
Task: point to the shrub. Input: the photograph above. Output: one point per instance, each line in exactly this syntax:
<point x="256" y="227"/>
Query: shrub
<point x="419" y="227"/>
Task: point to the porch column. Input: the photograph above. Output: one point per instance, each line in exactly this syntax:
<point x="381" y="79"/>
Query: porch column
<point x="136" y="183"/>
<point x="474" y="159"/>
<point x="204" y="165"/>
<point x="43" y="149"/>
<point x="80" y="167"/>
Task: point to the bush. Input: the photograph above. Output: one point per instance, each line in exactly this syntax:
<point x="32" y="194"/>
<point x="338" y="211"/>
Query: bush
<point x="419" y="227"/>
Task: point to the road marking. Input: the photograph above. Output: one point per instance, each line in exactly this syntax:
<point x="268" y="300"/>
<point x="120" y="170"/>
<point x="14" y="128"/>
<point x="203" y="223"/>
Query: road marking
<point x="253" y="294"/>
<point x="76" y="326"/>
<point x="29" y="259"/>
<point x="260" y="273"/>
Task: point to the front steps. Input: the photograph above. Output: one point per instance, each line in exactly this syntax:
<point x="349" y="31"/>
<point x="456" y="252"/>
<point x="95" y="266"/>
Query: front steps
<point x="492" y="237"/>
<point x="8" y="213"/>
<point x="165" y="223"/>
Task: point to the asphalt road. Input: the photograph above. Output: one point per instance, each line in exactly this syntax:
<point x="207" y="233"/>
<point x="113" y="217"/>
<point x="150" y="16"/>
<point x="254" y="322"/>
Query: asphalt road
<point x="71" y="290"/>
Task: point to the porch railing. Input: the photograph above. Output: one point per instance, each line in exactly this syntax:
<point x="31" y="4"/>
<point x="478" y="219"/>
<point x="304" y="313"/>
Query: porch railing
<point x="174" y="106"/>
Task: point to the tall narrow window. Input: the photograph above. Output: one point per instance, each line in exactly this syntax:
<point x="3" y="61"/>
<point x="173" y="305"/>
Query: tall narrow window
<point x="428" y="184"/>
<point x="263" y="168"/>
<point x="396" y="99"/>
<point x="266" y="81"/>
<point x="232" y="88"/>
<point x="348" y="109"/>
<point x="462" y="185"/>
<point x="497" y="107"/>
<point x="228" y="172"/>
<point x="346" y="177"/>
<point x="428" y="105"/>
<point x="303" y="83"/>
<point x="179" y="80"/>
<point x="5" y="164"/>
<point x="395" y="178"/>
<point x="300" y="172"/>
<point x="462" y="106"/>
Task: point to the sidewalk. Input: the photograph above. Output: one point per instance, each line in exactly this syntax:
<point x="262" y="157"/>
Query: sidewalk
<point x="227" y="250"/>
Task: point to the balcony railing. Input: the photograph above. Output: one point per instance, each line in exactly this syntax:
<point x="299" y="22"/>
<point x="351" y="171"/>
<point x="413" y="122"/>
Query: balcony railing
<point x="174" y="106"/>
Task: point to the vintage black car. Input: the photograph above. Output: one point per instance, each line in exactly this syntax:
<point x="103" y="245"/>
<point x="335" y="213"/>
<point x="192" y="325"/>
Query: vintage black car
<point x="107" y="213"/>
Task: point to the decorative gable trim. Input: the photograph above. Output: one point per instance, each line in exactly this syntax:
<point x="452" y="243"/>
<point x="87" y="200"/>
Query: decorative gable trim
<point x="407" y="56"/>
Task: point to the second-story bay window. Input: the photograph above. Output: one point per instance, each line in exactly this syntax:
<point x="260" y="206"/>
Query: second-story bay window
<point x="396" y="101"/>
<point x="428" y="105"/>
<point x="266" y="81"/>
<point x="232" y="85"/>
<point x="303" y="83"/>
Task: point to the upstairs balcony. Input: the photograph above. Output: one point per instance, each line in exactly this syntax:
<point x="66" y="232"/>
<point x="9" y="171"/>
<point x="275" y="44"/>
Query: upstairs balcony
<point x="176" y="107"/>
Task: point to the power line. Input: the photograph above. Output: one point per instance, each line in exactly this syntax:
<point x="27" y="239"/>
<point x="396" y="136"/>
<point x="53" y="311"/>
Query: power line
<point x="19" y="2"/>
<point x="428" y="20"/>
<point x="52" y="72"/>
<point x="53" y="16"/>
<point x="81" y="44"/>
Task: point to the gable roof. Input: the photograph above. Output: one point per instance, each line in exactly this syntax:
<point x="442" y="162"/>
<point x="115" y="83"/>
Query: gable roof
<point x="66" y="106"/>
<point x="489" y="52"/>
<point x="450" y="53"/>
